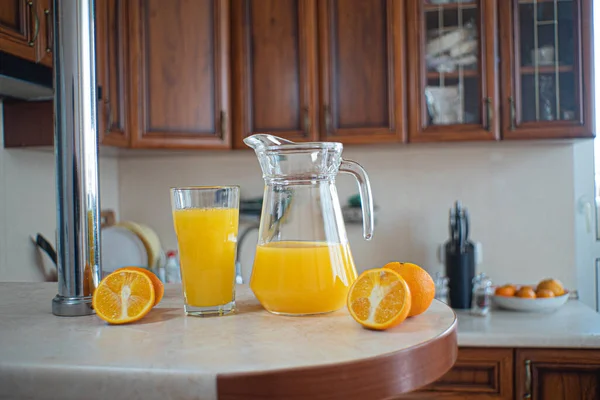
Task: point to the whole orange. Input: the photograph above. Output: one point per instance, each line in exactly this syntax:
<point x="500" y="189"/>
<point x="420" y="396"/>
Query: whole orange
<point x="552" y="284"/>
<point x="422" y="287"/>
<point x="542" y="293"/>
<point x="526" y="292"/>
<point x="506" y="290"/>
<point x="510" y="285"/>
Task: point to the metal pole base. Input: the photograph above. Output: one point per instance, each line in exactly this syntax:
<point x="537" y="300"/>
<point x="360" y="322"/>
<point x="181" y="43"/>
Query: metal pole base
<point x="72" y="306"/>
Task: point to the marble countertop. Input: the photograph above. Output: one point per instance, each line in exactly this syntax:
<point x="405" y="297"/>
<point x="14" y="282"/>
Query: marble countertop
<point x="574" y="325"/>
<point x="168" y="355"/>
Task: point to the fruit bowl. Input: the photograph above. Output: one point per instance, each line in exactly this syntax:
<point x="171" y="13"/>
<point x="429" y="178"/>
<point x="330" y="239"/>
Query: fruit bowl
<point x="530" y="305"/>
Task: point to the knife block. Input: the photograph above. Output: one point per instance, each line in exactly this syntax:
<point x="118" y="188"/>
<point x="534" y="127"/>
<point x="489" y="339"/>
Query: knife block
<point x="460" y="270"/>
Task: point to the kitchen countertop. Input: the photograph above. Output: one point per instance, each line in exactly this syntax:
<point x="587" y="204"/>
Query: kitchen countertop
<point x="169" y="355"/>
<point x="253" y="354"/>
<point x="574" y="325"/>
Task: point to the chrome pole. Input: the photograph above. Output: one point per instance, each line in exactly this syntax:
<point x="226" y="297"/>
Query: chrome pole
<point x="76" y="154"/>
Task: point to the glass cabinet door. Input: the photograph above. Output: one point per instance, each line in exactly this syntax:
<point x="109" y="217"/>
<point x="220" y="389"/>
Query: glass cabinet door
<point x="452" y="75"/>
<point x="547" y="78"/>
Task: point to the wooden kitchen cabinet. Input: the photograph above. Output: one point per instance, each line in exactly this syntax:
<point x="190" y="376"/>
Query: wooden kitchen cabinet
<point x="112" y="71"/>
<point x="362" y="80"/>
<point x="21" y="130"/>
<point x="179" y="76"/>
<point x="452" y="72"/>
<point x="509" y="373"/>
<point x="552" y="374"/>
<point x="547" y="69"/>
<point x="275" y="69"/>
<point x="478" y="374"/>
<point x="20" y="28"/>
<point x="183" y="74"/>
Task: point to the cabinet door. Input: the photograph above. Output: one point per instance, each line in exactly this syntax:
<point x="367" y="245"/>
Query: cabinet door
<point x="557" y="374"/>
<point x="478" y="374"/>
<point x="547" y="57"/>
<point x="274" y="68"/>
<point x="46" y="35"/>
<point x="452" y="71"/>
<point x="180" y="73"/>
<point x="112" y="71"/>
<point x="362" y="70"/>
<point x="19" y="28"/>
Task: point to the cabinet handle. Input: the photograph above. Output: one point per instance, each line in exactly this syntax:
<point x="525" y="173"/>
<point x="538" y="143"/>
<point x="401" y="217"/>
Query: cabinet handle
<point x="527" y="394"/>
<point x="223" y="122"/>
<point x="49" y="37"/>
<point x="513" y="113"/>
<point x="327" y="114"/>
<point x="36" y="19"/>
<point x="307" y="123"/>
<point x="489" y="114"/>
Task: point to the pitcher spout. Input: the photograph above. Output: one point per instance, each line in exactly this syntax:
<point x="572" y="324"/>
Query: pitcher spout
<point x="264" y="141"/>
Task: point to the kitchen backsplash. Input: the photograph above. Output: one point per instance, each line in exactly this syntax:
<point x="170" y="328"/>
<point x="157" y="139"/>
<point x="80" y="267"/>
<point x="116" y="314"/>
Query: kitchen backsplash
<point x="520" y="197"/>
<point x="28" y="206"/>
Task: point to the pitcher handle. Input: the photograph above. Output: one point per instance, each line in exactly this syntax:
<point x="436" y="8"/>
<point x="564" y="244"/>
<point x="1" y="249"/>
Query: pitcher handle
<point x="366" y="197"/>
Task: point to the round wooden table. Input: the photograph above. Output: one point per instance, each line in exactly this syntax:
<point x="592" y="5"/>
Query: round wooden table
<point x="250" y="355"/>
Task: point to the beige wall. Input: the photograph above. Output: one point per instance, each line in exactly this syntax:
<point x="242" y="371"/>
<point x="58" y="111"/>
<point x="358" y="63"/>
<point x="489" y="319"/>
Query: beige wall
<point x="520" y="197"/>
<point x="27" y="206"/>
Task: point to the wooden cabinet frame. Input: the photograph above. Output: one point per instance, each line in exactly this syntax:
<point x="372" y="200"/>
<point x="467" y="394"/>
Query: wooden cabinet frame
<point x="478" y="374"/>
<point x="512" y="125"/>
<point x="112" y="75"/>
<point x="141" y="136"/>
<point x="532" y="364"/>
<point x="395" y="129"/>
<point x="22" y="40"/>
<point x="242" y="80"/>
<point x="419" y="131"/>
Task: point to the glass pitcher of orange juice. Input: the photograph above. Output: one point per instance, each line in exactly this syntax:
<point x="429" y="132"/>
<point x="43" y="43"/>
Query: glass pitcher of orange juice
<point x="303" y="264"/>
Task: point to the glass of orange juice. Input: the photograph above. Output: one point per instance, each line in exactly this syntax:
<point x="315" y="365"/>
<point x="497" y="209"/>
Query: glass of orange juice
<point x="206" y="223"/>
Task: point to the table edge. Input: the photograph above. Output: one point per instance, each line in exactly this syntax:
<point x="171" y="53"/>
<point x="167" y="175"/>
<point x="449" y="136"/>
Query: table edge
<point x="376" y="377"/>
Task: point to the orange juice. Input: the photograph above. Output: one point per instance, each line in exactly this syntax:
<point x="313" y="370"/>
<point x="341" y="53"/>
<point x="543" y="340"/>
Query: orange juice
<point x="302" y="277"/>
<point x="207" y="239"/>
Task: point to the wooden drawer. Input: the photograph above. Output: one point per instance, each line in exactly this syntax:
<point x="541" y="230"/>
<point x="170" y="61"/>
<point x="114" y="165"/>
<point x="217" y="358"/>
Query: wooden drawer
<point x="478" y="374"/>
<point x="557" y="374"/>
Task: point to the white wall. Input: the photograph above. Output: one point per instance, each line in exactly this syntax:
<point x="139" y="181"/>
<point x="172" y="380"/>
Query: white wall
<point x="28" y="206"/>
<point x="520" y="197"/>
<point x="587" y="249"/>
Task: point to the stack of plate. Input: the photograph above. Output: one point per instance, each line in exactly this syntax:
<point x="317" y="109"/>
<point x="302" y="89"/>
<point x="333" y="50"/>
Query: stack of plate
<point x="130" y="244"/>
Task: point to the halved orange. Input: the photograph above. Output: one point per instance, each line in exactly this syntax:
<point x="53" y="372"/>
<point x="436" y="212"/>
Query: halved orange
<point x="123" y="297"/>
<point x="379" y="299"/>
<point x="159" y="288"/>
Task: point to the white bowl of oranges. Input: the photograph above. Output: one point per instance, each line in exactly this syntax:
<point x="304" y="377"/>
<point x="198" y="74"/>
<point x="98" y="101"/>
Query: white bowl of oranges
<point x="549" y="294"/>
